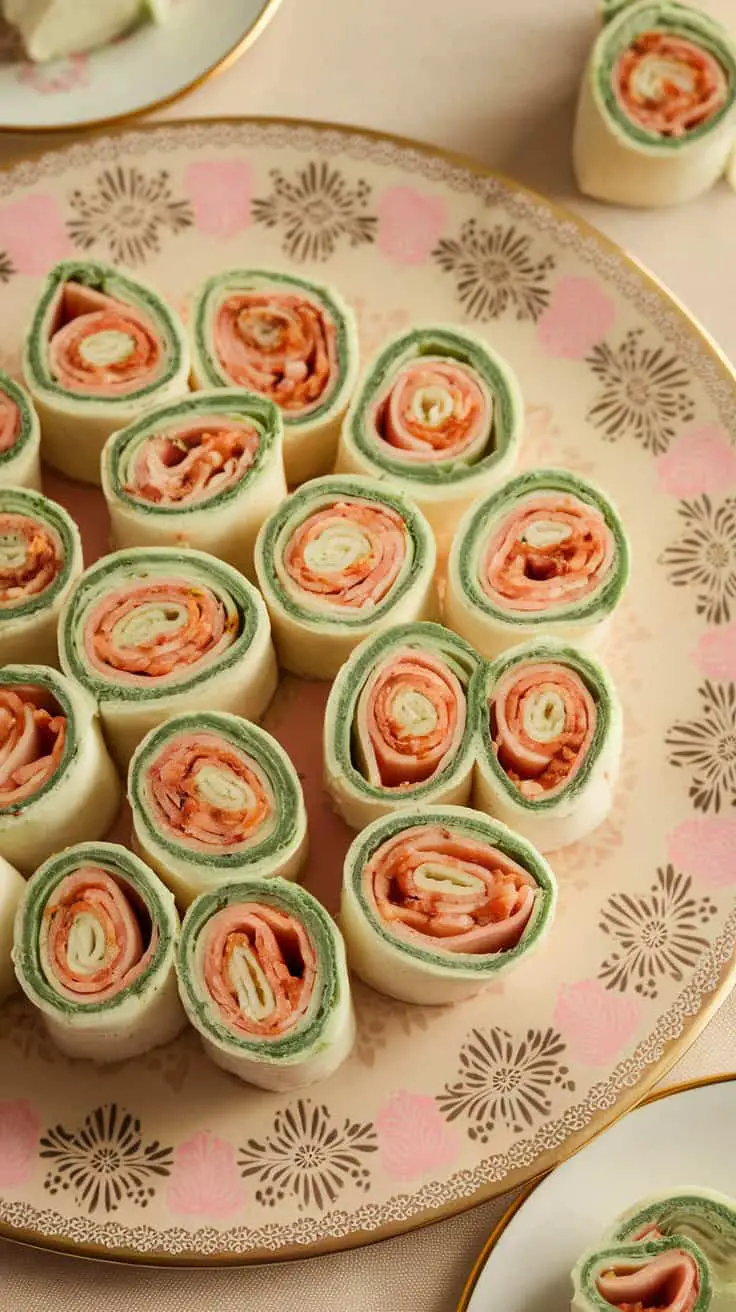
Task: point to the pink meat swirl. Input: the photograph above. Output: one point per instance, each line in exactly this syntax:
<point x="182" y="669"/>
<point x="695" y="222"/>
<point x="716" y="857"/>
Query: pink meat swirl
<point x="433" y="410"/>
<point x="282" y="949"/>
<point x="279" y="345"/>
<point x="398" y="756"/>
<point x="367" y="579"/>
<point x="10" y="421"/>
<point x="106" y="903"/>
<point x="549" y="551"/>
<point x="192" y="462"/>
<point x="40" y="560"/>
<point x="488" y="917"/>
<point x="32" y="737"/>
<point x="668" y="85"/>
<point x="540" y="766"/>
<point x="83" y="314"/>
<point x="669" y="1282"/>
<point x="178" y="806"/>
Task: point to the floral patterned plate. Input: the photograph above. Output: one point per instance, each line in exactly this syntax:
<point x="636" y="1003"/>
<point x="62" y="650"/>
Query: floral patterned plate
<point x="143" y="71"/>
<point x="168" y="1159"/>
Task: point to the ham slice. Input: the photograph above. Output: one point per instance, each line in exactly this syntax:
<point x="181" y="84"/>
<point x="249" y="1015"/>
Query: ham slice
<point x="30" y="558"/>
<point x="208" y="793"/>
<point x="279" y="345"/>
<point x="259" y="968"/>
<point x="94" y="944"/>
<point x="101" y="346"/>
<point x="32" y="736"/>
<point x="350" y="553"/>
<point x="550" y="550"/>
<point x="9" y="421"/>
<point x="668" y="1283"/>
<point x="542" y="720"/>
<point x="668" y="85"/>
<point x="434" y="410"/>
<point x="410" y="718"/>
<point x="192" y="462"/>
<point x="450" y="892"/>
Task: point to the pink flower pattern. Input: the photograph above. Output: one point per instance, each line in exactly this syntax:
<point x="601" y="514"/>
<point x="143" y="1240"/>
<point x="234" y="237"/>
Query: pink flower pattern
<point x="410" y="224"/>
<point x="204" y="1179"/>
<point x="596" y="1023"/>
<point x="54" y="79"/>
<point x="412" y="1136"/>
<point x="32" y="234"/>
<point x="706" y="848"/>
<point x="221" y="193"/>
<point x="19" y="1132"/>
<point x="701" y="461"/>
<point x="578" y="316"/>
<point x="715" y="654"/>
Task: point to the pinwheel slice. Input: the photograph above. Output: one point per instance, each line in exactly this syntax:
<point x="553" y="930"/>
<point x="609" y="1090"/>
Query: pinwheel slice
<point x="54" y="29"/>
<point x="285" y="338"/>
<point x="397" y="729"/>
<point x="57" y="782"/>
<point x="40" y="558"/>
<point x="545" y="553"/>
<point x="94" y="948"/>
<point x="215" y="800"/>
<point x="102" y="348"/>
<point x="12" y="888"/>
<point x="340" y="560"/>
<point x="662" y="1275"/>
<point x="438" y="900"/>
<point x="20" y="437"/>
<point x="656" y="119"/>
<point x="550" y="736"/>
<point x="438" y="415"/>
<point x="263" y="979"/>
<point x="149" y="629"/>
<point x="701" y="1215"/>
<point x="202" y="472"/>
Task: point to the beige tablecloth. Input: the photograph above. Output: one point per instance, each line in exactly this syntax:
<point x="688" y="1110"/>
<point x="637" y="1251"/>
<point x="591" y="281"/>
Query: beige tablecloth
<point x="497" y="81"/>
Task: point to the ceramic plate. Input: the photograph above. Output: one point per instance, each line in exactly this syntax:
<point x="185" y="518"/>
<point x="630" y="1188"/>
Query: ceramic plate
<point x="676" y="1140"/>
<point x="168" y="1158"/>
<point x="134" y="75"/>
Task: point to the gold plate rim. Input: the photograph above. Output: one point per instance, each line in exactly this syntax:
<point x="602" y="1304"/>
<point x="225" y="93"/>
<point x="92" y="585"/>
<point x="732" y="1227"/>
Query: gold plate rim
<point x="710" y="1003"/>
<point x="231" y="56"/>
<point x="503" y="1224"/>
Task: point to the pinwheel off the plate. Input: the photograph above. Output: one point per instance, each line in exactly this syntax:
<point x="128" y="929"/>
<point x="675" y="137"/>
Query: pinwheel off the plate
<point x="102" y="348"/>
<point x="95" y="937"/>
<point x="669" y="1275"/>
<point x="656" y="119"/>
<point x="263" y="979"/>
<point x="215" y="800"/>
<point x="285" y="338"/>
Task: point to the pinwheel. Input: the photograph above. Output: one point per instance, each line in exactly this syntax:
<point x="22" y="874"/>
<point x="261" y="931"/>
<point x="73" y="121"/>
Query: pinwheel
<point x="439" y="416"/>
<point x="550" y="735"/>
<point x="20" y="437"/>
<point x="397" y="729"/>
<point x="661" y="1275"/>
<point x="40" y="557"/>
<point x="215" y="800"/>
<point x="656" y="119"/>
<point x="149" y="630"/>
<point x="545" y="553"/>
<point x="285" y="338"/>
<point x="102" y="348"/>
<point x="437" y="901"/>
<point x="263" y="979"/>
<point x="702" y="1215"/>
<point x="339" y="561"/>
<point x="201" y="472"/>
<point x="95" y="940"/>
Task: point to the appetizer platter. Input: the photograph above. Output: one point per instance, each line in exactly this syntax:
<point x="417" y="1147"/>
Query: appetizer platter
<point x="367" y="838"/>
<point x="644" y="1216"/>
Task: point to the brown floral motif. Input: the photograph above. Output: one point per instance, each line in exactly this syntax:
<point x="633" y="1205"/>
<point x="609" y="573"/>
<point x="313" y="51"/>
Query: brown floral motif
<point x="495" y="270"/>
<point x="705" y="557"/>
<point x="309" y="1155"/>
<point x="656" y="936"/>
<point x="126" y="213"/>
<point x="104" y="1161"/>
<point x="317" y="209"/>
<point x="505" y="1080"/>
<point x="644" y="392"/>
<point x="7" y="268"/>
<point x="707" y="747"/>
